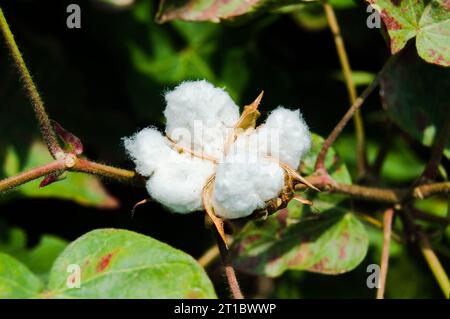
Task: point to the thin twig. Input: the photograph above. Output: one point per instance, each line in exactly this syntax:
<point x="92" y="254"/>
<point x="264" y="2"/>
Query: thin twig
<point x="71" y="163"/>
<point x="430" y="257"/>
<point x="418" y="214"/>
<point x="385" y="195"/>
<point x="102" y="170"/>
<point x="32" y="174"/>
<point x="382" y="152"/>
<point x="229" y="270"/>
<point x="387" y="230"/>
<point x="44" y="121"/>
<point x="431" y="169"/>
<point x="351" y="88"/>
<point x="320" y="162"/>
<point x="434" y="263"/>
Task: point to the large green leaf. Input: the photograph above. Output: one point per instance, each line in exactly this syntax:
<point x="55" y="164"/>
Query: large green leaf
<point x="16" y="280"/>
<point x="123" y="264"/>
<point x="209" y="10"/>
<point x="416" y="95"/>
<point x="332" y="243"/>
<point x="38" y="259"/>
<point x="428" y="21"/>
<point x="81" y="188"/>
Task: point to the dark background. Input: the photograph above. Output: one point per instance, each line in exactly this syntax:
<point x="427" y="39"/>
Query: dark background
<point x="95" y="85"/>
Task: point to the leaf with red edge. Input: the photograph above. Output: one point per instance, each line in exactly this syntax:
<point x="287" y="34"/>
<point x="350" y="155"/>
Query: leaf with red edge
<point x="428" y="21"/>
<point x="214" y="11"/>
<point x="333" y="242"/>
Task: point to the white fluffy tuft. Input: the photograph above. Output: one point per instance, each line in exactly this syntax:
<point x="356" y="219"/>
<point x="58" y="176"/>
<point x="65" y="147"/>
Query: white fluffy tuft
<point x="285" y="136"/>
<point x="245" y="181"/>
<point x="199" y="116"/>
<point x="148" y="149"/>
<point x="179" y="186"/>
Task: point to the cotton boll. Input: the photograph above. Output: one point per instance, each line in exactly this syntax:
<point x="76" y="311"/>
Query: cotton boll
<point x="244" y="182"/>
<point x="148" y="149"/>
<point x="286" y="136"/>
<point x="179" y="186"/>
<point x="199" y="116"/>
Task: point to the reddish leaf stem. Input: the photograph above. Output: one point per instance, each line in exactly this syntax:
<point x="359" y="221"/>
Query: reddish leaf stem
<point x="387" y="231"/>
<point x="228" y="268"/>
<point x="44" y="121"/>
<point x="32" y="174"/>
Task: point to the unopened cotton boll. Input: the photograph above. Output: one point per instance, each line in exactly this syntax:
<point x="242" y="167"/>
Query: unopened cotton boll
<point x="285" y="136"/>
<point x="200" y="116"/>
<point x="244" y="182"/>
<point x="148" y="149"/>
<point x="179" y="186"/>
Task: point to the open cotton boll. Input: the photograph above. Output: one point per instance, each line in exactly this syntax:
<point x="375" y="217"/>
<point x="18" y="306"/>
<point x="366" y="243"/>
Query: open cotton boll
<point x="148" y="149"/>
<point x="286" y="136"/>
<point x="199" y="116"/>
<point x="244" y="182"/>
<point x="179" y="186"/>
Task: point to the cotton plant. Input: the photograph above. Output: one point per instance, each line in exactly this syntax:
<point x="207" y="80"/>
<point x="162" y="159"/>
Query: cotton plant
<point x="212" y="158"/>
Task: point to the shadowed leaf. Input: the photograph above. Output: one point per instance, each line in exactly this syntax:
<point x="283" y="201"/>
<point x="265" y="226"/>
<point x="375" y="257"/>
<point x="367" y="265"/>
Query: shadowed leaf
<point x="417" y="96"/>
<point x="428" y="21"/>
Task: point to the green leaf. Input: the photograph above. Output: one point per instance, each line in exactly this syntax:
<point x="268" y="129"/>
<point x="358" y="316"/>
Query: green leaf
<point x="214" y="11"/>
<point x="38" y="259"/>
<point x="428" y="21"/>
<point x="81" y="188"/>
<point x="122" y="264"/>
<point x="332" y="243"/>
<point x="400" y="165"/>
<point x="16" y="280"/>
<point x="415" y="95"/>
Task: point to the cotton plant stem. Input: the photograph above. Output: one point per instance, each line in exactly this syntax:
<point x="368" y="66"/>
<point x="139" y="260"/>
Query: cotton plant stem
<point x="73" y="164"/>
<point x="320" y="162"/>
<point x="351" y="88"/>
<point x="382" y="152"/>
<point x="387" y="231"/>
<point x="228" y="268"/>
<point x="434" y="264"/>
<point x="385" y="195"/>
<point x="431" y="169"/>
<point x="418" y="214"/>
<point x="32" y="174"/>
<point x="102" y="170"/>
<point x="38" y="105"/>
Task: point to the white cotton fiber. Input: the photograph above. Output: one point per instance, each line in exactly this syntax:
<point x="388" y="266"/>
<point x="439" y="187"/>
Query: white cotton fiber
<point x="285" y="136"/>
<point x="179" y="186"/>
<point x="244" y="182"/>
<point x="200" y="116"/>
<point x="148" y="149"/>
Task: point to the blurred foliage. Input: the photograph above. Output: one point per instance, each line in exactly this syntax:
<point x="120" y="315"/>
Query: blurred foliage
<point x="106" y="80"/>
